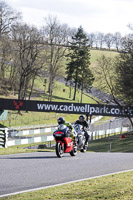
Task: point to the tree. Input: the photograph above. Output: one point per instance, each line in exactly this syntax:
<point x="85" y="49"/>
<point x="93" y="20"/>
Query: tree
<point x="91" y="39"/>
<point x="56" y="37"/>
<point x="27" y="59"/>
<point x="105" y="77"/>
<point x="78" y="70"/>
<point x="101" y="39"/>
<point x="109" y="39"/>
<point x="124" y="70"/>
<point x="5" y="56"/>
<point x="117" y="40"/>
<point x="8" y="17"/>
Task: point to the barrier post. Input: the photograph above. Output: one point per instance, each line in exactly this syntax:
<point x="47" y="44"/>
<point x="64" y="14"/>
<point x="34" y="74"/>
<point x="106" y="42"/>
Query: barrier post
<point x="3" y="137"/>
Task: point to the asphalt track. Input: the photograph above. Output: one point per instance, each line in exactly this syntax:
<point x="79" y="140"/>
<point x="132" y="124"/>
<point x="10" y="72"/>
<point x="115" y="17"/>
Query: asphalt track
<point x="27" y="171"/>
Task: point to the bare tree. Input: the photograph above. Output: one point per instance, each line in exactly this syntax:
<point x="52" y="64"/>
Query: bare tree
<point x="105" y="76"/>
<point x="101" y="39"/>
<point x="57" y="36"/>
<point x="117" y="40"/>
<point x="109" y="39"/>
<point x="28" y="58"/>
<point x="91" y="39"/>
<point x="96" y="40"/>
<point x="8" y="17"/>
<point x="5" y="56"/>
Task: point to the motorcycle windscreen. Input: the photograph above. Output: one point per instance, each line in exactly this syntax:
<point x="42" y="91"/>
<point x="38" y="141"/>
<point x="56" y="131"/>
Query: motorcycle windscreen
<point x="61" y="132"/>
<point x="58" y="133"/>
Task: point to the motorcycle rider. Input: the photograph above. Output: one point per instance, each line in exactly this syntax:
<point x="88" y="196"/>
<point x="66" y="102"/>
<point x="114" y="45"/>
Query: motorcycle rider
<point x="85" y="125"/>
<point x="71" y="132"/>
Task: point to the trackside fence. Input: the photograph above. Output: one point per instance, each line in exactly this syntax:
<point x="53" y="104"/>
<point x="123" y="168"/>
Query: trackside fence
<point x="98" y="129"/>
<point x="3" y="137"/>
<point x="110" y="127"/>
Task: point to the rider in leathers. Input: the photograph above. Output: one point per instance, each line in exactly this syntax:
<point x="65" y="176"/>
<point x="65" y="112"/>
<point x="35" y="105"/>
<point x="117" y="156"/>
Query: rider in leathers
<point x="71" y="132"/>
<point x="85" y="125"/>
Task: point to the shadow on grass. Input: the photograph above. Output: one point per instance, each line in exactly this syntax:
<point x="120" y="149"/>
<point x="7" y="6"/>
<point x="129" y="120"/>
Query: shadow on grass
<point x="61" y="98"/>
<point x="45" y="96"/>
<point x="2" y="126"/>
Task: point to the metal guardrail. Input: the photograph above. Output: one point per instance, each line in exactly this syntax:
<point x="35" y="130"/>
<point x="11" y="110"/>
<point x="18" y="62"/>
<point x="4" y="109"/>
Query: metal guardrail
<point x="3" y="137"/>
<point x="28" y="135"/>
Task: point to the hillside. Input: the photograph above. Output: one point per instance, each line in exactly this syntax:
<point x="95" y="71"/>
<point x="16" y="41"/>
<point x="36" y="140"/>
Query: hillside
<point x="61" y="93"/>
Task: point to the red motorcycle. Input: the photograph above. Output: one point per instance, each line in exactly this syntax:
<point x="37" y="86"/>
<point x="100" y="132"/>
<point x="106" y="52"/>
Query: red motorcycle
<point x="64" y="144"/>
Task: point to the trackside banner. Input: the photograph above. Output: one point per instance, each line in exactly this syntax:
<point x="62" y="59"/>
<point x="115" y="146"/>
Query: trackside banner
<point x="64" y="107"/>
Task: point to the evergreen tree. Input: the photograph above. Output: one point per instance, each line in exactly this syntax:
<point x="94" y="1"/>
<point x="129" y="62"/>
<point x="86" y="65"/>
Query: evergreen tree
<point x="78" y="71"/>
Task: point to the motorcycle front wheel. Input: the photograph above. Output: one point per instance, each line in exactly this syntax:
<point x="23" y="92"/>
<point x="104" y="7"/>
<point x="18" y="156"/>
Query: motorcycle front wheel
<point x="74" y="151"/>
<point x="59" y="150"/>
<point x="84" y="149"/>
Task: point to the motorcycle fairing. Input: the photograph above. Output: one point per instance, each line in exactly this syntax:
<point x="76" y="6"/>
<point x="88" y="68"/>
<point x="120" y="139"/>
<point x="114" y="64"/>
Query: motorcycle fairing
<point x="68" y="144"/>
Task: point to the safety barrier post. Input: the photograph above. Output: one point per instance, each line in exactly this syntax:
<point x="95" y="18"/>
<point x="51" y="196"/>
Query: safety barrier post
<point x="3" y="137"/>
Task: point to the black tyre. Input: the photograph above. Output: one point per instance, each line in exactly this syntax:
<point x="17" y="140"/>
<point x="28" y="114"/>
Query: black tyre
<point x="83" y="150"/>
<point x="74" y="151"/>
<point x="59" y="150"/>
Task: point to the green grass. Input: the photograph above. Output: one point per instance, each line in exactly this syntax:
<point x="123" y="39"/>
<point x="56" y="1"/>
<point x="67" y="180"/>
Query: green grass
<point x="118" y="186"/>
<point x="99" y="81"/>
<point x="100" y="145"/>
<point x="112" y="187"/>
<point x="117" y="144"/>
<point x="60" y="96"/>
<point x="24" y="149"/>
<point x="35" y="118"/>
<point x="95" y="54"/>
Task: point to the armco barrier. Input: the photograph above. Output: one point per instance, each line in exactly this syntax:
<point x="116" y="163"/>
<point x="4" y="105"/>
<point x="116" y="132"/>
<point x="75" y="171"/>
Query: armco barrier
<point x="109" y="131"/>
<point x="12" y="133"/>
<point x="31" y="140"/>
<point x="45" y="138"/>
<point x="3" y="137"/>
<point x="38" y="130"/>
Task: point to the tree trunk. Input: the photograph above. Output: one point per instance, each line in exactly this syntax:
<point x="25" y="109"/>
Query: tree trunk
<point x="32" y="86"/>
<point x="75" y="89"/>
<point x="130" y="121"/>
<point x="70" y="92"/>
<point x="81" y="96"/>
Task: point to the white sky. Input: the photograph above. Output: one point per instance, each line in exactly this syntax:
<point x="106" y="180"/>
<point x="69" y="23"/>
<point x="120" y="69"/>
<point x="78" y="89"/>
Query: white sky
<point x="106" y="16"/>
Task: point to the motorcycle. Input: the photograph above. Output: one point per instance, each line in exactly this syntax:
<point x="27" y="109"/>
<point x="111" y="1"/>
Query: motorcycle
<point x="64" y="144"/>
<point x="80" y="137"/>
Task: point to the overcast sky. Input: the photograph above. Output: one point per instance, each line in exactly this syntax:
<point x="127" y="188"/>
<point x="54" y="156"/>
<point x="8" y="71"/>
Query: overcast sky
<point x="106" y="16"/>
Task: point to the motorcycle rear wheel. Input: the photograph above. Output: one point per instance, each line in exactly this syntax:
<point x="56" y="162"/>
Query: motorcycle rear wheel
<point x="59" y="150"/>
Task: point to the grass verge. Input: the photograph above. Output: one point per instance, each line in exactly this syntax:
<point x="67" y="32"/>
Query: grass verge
<point x="114" y="143"/>
<point x="112" y="187"/>
<point x="25" y="148"/>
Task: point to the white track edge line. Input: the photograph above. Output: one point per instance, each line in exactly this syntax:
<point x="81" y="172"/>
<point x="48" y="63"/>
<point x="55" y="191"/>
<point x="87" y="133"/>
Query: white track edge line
<point x="60" y="184"/>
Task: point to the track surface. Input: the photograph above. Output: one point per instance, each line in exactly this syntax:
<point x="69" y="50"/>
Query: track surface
<point x="21" y="172"/>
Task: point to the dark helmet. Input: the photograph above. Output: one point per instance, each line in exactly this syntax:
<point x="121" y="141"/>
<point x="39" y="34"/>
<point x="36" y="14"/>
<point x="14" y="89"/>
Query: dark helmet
<point x="61" y="120"/>
<point x="81" y="118"/>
